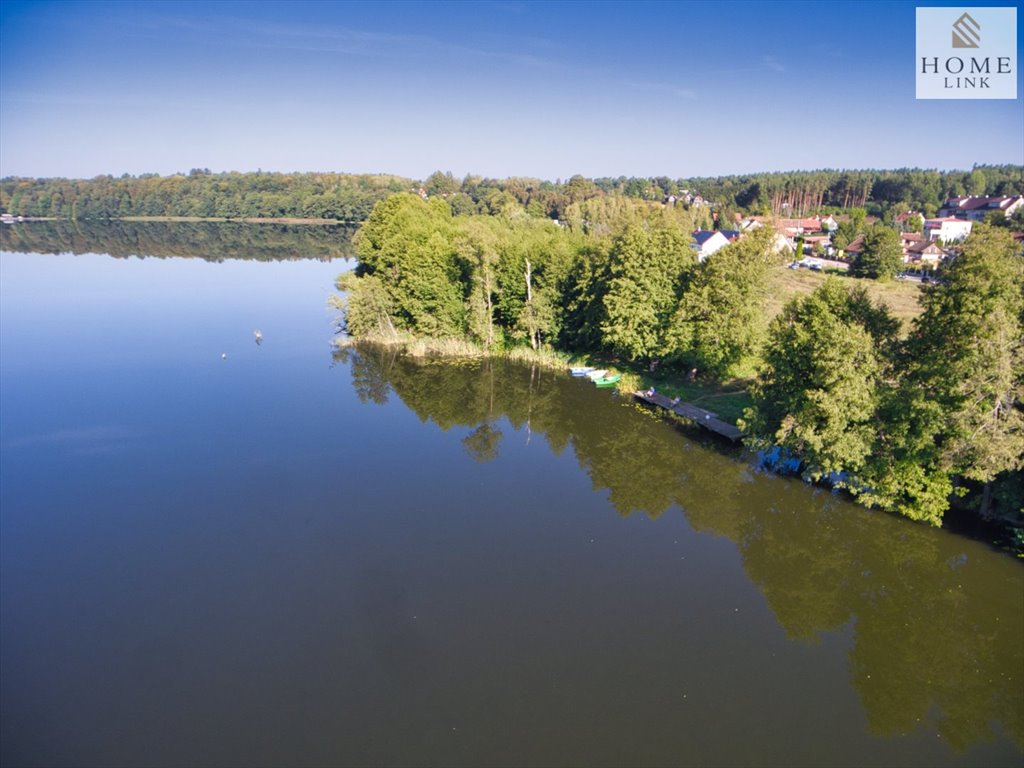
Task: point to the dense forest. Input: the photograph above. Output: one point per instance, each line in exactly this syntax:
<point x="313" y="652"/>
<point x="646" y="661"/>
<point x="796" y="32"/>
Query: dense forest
<point x="351" y="197"/>
<point x="903" y="423"/>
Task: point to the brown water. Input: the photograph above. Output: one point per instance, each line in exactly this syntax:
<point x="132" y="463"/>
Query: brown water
<point x="289" y="557"/>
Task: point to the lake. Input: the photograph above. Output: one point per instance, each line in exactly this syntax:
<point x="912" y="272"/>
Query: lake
<point x="215" y="552"/>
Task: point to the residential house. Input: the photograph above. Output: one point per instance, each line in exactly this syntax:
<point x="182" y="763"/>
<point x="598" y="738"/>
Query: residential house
<point x="707" y="242"/>
<point x="822" y="242"/>
<point x="947" y="229"/>
<point x="908" y="239"/>
<point x="789" y="227"/>
<point x="799" y="226"/>
<point x="977" y="208"/>
<point x="853" y="251"/>
<point x="924" y="253"/>
<point x="781" y="243"/>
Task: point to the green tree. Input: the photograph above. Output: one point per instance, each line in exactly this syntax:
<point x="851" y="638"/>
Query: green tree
<point x="477" y="243"/>
<point x="583" y="297"/>
<point x="818" y="389"/>
<point x="366" y="306"/>
<point x="647" y="268"/>
<point x="443" y="184"/>
<point x="720" y="319"/>
<point x="848" y="229"/>
<point x="966" y="354"/>
<point x="882" y="257"/>
<point x="408" y="244"/>
<point x="997" y="219"/>
<point x="976" y="182"/>
<point x="535" y="257"/>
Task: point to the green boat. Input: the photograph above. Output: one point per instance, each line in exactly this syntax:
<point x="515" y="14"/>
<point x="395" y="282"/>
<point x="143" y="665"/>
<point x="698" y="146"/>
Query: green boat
<point x="609" y="380"/>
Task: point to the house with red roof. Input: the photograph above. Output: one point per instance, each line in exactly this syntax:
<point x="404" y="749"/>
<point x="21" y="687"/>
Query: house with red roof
<point x="977" y="208"/>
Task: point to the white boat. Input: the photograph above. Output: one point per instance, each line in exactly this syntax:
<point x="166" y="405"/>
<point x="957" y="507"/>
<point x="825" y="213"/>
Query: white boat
<point x="583" y="371"/>
<point x="596" y="374"/>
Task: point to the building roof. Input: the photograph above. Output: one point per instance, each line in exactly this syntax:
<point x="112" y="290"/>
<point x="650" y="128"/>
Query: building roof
<point x="703" y="235"/>
<point x="856" y="246"/>
<point x="972" y="203"/>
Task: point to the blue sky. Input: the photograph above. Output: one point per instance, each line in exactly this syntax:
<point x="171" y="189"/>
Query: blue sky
<point x="498" y="89"/>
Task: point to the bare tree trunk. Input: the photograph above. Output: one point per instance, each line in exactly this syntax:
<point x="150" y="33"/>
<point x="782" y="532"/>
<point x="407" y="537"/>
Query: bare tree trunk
<point x="490" y="314"/>
<point x="529" y="306"/>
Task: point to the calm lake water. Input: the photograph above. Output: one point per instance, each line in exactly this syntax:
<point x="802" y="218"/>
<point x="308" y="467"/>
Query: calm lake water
<point x="298" y="557"/>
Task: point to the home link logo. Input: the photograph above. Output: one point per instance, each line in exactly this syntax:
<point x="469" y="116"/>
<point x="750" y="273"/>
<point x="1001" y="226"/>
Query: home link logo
<point x="966" y="54"/>
<point x="966" y="32"/>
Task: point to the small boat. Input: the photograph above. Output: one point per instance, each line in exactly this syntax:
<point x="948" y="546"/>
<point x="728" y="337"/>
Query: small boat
<point x="582" y="371"/>
<point x="597" y="373"/>
<point x="608" y="381"/>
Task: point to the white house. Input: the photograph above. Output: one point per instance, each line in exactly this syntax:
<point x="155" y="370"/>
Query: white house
<point x="948" y="229"/>
<point x="706" y="243"/>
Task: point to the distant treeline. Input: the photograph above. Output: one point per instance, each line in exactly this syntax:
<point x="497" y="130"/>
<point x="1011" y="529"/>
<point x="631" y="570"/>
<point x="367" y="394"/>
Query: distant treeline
<point x="876" y="190"/>
<point x="338" y="196"/>
<point x="351" y="197"/>
<point x="204" y="240"/>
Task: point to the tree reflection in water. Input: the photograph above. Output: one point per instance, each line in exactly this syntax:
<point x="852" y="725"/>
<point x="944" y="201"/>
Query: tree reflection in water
<point x="937" y="620"/>
<point x="212" y="241"/>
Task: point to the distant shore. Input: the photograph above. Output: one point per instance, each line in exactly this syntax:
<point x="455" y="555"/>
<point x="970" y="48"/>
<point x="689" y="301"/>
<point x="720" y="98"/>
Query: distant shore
<point x="244" y="220"/>
<point x="186" y="219"/>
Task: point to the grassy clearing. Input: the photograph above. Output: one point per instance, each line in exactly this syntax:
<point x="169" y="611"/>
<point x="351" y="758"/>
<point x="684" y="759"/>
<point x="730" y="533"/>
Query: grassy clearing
<point x="901" y="297"/>
<point x="726" y="398"/>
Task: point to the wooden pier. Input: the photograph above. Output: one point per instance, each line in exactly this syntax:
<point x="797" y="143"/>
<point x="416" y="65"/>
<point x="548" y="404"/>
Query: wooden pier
<point x="707" y="419"/>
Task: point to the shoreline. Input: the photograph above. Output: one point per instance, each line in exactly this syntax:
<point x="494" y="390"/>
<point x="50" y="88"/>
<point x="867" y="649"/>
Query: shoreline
<point x="996" y="535"/>
<point x="455" y="349"/>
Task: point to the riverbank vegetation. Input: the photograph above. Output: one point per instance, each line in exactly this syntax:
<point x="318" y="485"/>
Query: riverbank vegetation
<point x="908" y="419"/>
